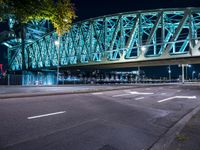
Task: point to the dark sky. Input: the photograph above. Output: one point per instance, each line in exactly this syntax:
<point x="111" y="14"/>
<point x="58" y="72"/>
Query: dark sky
<point x="86" y="9"/>
<point x="93" y="8"/>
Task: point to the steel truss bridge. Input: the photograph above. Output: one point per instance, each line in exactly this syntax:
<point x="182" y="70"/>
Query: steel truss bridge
<point x="141" y="37"/>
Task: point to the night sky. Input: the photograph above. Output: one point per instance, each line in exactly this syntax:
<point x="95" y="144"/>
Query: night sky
<point x="86" y="9"/>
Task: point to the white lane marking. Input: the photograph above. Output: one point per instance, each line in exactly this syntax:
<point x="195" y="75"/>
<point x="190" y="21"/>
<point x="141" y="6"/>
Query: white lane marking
<point x="120" y="95"/>
<point x="97" y="93"/>
<point x="139" y="98"/>
<point x="132" y="93"/>
<point x="138" y="93"/>
<point x="178" y="90"/>
<point x="170" y="98"/>
<point x="45" y="115"/>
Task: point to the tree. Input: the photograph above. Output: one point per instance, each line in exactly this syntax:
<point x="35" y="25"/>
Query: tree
<point x="60" y="12"/>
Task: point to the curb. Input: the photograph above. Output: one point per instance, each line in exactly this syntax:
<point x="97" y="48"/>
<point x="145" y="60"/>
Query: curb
<point x="168" y="137"/>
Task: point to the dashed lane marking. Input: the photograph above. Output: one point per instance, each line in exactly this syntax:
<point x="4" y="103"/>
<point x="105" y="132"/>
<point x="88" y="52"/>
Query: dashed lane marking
<point x="139" y="98"/>
<point x="45" y="115"/>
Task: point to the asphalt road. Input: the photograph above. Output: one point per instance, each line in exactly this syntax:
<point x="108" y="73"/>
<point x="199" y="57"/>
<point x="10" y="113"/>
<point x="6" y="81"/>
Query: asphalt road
<point x="132" y="119"/>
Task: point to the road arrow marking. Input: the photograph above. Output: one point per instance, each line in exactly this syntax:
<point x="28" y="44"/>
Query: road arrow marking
<point x="132" y="93"/>
<point x="180" y="97"/>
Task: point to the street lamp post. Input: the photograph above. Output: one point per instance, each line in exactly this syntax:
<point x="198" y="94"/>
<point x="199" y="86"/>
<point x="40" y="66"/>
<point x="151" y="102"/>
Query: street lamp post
<point x="169" y="71"/>
<point x="57" y="43"/>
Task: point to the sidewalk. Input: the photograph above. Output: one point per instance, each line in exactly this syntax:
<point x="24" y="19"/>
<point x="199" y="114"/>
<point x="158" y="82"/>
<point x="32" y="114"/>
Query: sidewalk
<point x="26" y="91"/>
<point x="189" y="137"/>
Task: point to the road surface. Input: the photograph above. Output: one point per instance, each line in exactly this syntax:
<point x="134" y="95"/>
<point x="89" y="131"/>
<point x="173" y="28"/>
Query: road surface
<point x="129" y="119"/>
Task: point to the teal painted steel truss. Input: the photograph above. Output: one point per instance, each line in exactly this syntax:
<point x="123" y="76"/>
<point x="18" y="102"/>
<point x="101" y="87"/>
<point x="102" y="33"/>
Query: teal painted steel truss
<point x="123" y="37"/>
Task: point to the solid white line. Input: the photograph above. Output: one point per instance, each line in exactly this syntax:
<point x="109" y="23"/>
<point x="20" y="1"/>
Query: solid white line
<point x="45" y="115"/>
<point x="97" y="93"/>
<point x="139" y="98"/>
<point x="170" y="98"/>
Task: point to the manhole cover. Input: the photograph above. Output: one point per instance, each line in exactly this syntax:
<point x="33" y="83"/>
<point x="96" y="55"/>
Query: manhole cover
<point x="108" y="147"/>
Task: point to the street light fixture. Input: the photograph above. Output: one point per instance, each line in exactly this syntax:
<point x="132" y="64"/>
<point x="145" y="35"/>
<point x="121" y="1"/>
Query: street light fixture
<point x="65" y="20"/>
<point x="143" y="48"/>
<point x="57" y="43"/>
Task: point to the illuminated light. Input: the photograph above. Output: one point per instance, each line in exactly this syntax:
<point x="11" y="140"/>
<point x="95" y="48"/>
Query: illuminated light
<point x="143" y="48"/>
<point x="65" y="20"/>
<point x="57" y="43"/>
<point x="189" y="66"/>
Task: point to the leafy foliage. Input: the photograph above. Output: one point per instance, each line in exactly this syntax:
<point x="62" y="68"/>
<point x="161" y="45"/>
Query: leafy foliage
<point x="60" y="12"/>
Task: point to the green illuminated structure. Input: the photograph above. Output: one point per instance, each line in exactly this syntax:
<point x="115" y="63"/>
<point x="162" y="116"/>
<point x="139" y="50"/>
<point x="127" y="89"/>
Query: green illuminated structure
<point x="139" y="36"/>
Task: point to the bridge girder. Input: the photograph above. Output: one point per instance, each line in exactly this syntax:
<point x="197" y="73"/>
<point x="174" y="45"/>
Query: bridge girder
<point x="132" y="37"/>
